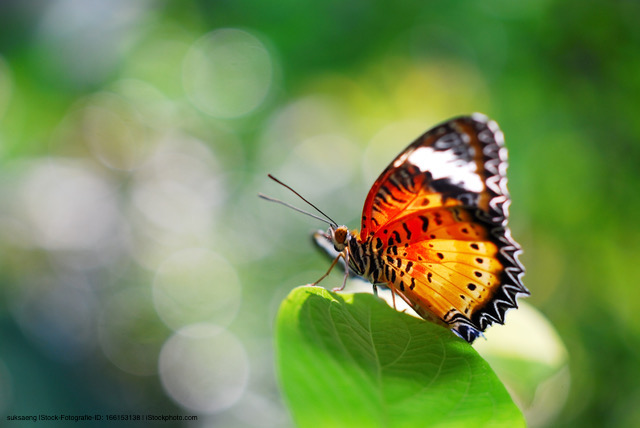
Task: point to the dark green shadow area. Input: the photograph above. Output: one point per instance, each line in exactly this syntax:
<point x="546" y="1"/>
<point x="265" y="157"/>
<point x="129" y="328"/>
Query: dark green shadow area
<point x="350" y="360"/>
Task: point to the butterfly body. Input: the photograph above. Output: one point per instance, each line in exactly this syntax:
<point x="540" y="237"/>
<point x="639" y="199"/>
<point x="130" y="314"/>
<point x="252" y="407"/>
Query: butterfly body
<point x="434" y="228"/>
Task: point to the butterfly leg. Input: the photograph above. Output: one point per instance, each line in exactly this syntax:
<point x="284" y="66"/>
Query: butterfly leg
<point x="344" y="254"/>
<point x="393" y="295"/>
<point x="328" y="271"/>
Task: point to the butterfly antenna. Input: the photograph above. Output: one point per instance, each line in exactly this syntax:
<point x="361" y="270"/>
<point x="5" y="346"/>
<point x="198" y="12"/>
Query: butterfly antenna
<point x="330" y="222"/>
<point x="278" y="201"/>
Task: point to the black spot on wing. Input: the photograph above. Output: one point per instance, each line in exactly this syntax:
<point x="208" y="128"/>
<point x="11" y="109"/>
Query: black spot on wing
<point x="406" y="229"/>
<point x="425" y="222"/>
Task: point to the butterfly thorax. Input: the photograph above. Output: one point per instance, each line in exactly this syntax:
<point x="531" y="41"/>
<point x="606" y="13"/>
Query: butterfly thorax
<point x="362" y="257"/>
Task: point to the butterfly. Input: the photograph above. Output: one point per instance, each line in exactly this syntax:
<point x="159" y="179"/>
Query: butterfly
<point x="434" y="229"/>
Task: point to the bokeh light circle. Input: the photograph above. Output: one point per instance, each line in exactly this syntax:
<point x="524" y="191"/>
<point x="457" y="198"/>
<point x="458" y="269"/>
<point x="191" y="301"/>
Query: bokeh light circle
<point x="227" y="73"/>
<point x="196" y="285"/>
<point x="178" y="189"/>
<point x="204" y="368"/>
<point x="69" y="205"/>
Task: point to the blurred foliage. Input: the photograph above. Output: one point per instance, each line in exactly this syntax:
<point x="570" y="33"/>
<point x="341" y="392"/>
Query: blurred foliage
<point x="134" y="137"/>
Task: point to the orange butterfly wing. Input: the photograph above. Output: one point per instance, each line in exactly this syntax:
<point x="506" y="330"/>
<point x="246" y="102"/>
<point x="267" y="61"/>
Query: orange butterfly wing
<point x="437" y="218"/>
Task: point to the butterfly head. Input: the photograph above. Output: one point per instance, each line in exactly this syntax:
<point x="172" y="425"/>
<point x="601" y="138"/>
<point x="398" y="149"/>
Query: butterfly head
<point x="334" y="240"/>
<point x="339" y="236"/>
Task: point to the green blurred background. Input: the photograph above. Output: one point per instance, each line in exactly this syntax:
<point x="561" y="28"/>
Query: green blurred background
<point x="140" y="274"/>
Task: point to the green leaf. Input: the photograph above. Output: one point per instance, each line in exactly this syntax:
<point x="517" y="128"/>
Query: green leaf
<point x="349" y="360"/>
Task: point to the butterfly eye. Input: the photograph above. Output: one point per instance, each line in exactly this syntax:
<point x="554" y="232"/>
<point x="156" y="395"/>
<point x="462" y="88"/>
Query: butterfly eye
<point x="340" y="235"/>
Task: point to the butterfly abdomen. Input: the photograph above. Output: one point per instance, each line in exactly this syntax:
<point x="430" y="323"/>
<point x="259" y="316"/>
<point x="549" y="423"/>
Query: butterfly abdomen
<point x="380" y="263"/>
<point x="364" y="259"/>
